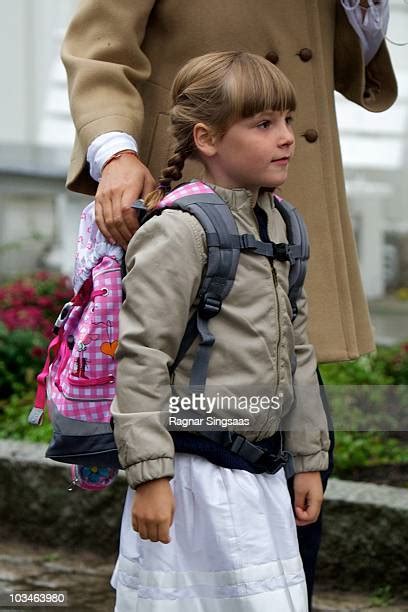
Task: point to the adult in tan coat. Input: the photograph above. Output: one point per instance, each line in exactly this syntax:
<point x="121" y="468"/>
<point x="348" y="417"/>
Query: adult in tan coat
<point x="121" y="58"/>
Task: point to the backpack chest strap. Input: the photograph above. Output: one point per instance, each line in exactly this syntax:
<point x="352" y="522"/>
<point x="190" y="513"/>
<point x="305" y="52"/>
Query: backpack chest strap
<point x="247" y="242"/>
<point x="280" y="251"/>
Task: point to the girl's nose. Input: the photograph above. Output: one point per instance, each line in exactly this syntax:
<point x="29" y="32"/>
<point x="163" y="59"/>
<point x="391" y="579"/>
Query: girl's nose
<point x="287" y="135"/>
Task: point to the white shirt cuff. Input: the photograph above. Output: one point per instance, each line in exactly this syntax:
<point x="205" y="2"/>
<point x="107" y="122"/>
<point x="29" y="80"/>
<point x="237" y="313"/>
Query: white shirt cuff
<point x="370" y="24"/>
<point x="103" y="147"/>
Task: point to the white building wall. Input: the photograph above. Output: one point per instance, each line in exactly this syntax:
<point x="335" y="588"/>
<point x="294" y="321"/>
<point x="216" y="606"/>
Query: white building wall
<point x="27" y="51"/>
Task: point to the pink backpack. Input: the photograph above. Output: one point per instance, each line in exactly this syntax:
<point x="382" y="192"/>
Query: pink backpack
<point x="77" y="383"/>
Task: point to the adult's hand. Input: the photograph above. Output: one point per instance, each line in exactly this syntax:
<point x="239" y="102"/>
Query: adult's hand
<point x="123" y="181"/>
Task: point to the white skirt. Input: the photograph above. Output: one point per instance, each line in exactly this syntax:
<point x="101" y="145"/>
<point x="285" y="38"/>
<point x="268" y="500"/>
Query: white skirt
<point x="233" y="547"/>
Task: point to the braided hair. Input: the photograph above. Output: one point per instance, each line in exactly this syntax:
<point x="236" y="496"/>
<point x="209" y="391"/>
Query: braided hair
<point x="172" y="172"/>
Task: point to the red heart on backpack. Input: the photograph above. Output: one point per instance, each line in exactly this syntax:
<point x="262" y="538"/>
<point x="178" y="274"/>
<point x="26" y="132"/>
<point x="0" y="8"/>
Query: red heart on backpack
<point x="109" y="348"/>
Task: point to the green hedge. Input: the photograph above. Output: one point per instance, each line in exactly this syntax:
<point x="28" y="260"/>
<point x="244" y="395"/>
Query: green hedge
<point x="387" y="366"/>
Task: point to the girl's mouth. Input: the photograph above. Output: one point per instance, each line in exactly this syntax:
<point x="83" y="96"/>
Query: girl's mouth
<point x="282" y="161"/>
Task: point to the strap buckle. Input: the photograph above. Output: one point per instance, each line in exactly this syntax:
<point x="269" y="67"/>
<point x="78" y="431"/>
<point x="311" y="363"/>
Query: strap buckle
<point x="66" y="309"/>
<point x="209" y="306"/>
<point x="247" y="241"/>
<point x="237" y="443"/>
<point x="282" y="252"/>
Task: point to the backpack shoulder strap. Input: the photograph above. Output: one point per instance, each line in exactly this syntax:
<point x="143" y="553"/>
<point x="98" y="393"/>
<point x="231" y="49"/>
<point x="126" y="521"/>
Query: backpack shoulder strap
<point x="223" y="251"/>
<point x="297" y="235"/>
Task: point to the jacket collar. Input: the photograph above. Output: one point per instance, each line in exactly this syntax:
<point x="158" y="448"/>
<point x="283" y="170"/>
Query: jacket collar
<point x="240" y="198"/>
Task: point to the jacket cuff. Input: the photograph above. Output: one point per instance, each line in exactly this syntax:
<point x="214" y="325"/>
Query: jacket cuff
<point x="319" y="462"/>
<point x="152" y="469"/>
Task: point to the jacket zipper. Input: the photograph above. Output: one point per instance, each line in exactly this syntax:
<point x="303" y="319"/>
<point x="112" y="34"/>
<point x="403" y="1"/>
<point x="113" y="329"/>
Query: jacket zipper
<point x="278" y="347"/>
<point x="262" y="222"/>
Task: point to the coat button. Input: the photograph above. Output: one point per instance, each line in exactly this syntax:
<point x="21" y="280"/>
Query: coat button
<point x="311" y="135"/>
<point x="272" y="57"/>
<point x="305" y="54"/>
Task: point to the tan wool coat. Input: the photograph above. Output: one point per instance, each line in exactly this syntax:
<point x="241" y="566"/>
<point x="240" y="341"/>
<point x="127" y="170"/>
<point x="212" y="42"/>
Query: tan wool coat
<point x="121" y="58"/>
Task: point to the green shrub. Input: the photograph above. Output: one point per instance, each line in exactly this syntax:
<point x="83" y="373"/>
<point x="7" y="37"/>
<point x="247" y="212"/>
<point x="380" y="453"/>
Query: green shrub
<point x="358" y="449"/>
<point x="13" y="419"/>
<point x="374" y="373"/>
<point x="22" y="354"/>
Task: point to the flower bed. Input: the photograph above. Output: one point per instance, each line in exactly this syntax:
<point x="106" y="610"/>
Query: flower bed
<point x="28" y="309"/>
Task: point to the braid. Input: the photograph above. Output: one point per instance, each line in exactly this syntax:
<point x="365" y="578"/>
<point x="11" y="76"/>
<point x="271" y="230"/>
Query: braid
<point x="173" y="172"/>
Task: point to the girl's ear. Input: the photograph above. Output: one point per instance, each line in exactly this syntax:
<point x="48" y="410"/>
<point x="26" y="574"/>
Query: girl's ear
<point x="204" y="140"/>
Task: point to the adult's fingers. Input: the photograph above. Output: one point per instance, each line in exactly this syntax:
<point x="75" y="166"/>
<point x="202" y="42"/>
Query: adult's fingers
<point x="100" y="218"/>
<point x="108" y="216"/>
<point x="122" y="182"/>
<point x="149" y="184"/>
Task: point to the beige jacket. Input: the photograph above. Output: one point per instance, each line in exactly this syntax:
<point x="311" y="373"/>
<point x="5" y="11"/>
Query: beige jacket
<point x="254" y="341"/>
<point x="121" y="58"/>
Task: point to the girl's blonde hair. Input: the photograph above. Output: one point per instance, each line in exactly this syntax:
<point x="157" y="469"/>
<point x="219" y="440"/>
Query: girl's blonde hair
<point x="219" y="89"/>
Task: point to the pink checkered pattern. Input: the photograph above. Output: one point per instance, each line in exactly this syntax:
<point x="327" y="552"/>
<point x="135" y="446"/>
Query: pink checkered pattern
<point x="194" y="188"/>
<point x="85" y="386"/>
<point x="81" y="380"/>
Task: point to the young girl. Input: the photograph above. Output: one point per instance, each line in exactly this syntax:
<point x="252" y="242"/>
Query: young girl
<point x="201" y="532"/>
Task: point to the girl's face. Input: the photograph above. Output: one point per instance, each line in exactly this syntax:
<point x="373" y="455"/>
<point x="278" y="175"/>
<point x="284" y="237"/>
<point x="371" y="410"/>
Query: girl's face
<point x="253" y="153"/>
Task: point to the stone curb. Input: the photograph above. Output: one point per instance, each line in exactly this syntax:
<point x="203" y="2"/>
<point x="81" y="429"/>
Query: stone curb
<point x="365" y="534"/>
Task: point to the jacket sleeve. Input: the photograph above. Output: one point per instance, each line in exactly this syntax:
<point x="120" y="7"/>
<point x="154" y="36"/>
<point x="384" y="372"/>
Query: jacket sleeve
<point x="374" y="86"/>
<point x="105" y="65"/>
<point x="306" y="429"/>
<point x="164" y="260"/>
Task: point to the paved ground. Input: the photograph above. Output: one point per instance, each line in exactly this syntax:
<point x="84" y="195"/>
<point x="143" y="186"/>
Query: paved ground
<point x="85" y="579"/>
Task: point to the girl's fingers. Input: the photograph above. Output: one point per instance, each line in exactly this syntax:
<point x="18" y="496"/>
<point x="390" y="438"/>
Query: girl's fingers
<point x="164" y="533"/>
<point x="306" y="516"/>
<point x="143" y="531"/>
<point x="153" y="532"/>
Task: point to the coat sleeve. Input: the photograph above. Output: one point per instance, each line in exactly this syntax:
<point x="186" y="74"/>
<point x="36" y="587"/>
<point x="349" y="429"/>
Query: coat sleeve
<point x="374" y="86"/>
<point x="105" y="64"/>
<point x="165" y="260"/>
<point x="306" y="429"/>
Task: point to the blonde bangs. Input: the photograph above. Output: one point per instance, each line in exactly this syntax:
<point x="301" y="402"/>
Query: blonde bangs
<point x="254" y="85"/>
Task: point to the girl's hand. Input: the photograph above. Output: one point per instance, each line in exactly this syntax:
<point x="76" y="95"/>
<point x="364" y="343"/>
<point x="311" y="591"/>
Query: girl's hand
<point x="153" y="510"/>
<point x="308" y="497"/>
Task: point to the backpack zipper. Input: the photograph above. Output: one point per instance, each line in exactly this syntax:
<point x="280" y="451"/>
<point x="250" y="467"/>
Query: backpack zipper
<point x="85" y="382"/>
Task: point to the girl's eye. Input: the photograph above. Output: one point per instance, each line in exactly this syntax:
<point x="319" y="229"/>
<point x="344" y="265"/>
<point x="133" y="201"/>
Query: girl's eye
<point x="264" y="124"/>
<point x="289" y="119"/>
